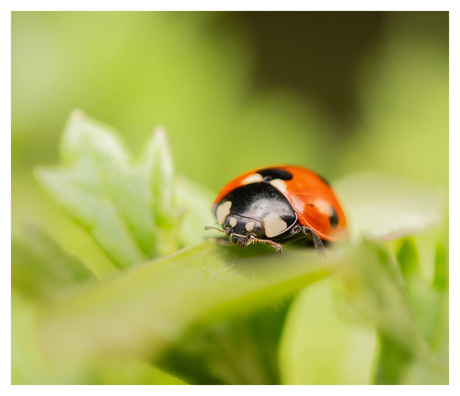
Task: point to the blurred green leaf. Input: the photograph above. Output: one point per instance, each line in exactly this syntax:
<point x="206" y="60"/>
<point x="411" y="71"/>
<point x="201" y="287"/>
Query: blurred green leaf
<point x="375" y="287"/>
<point x="382" y="206"/>
<point x="29" y="363"/>
<point x="238" y="351"/>
<point x="194" y="202"/>
<point x="428" y="302"/>
<point x="40" y="267"/>
<point x="323" y="346"/>
<point x="125" y="371"/>
<point x="96" y="188"/>
<point x="393" y="361"/>
<point x="27" y="360"/>
<point x="129" y="208"/>
<point x="145" y="310"/>
<point x="157" y="163"/>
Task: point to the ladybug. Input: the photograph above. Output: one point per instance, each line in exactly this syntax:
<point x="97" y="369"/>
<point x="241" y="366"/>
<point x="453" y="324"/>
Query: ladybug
<point x="277" y="205"/>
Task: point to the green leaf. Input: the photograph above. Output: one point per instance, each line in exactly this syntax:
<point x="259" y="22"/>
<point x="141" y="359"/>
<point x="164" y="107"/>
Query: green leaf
<point x="27" y="360"/>
<point x="393" y="361"/>
<point x="125" y="371"/>
<point x="129" y="208"/>
<point x="237" y="351"/>
<point x="157" y="163"/>
<point x="195" y="203"/>
<point x="147" y="309"/>
<point x="94" y="186"/>
<point x="41" y="268"/>
<point x="418" y="256"/>
<point x="374" y="287"/>
<point x="159" y="155"/>
<point x="382" y="206"/>
<point x="29" y="363"/>
<point x="321" y="345"/>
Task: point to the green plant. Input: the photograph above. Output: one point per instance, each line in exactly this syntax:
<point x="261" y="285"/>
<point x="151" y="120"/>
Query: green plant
<point x="172" y="307"/>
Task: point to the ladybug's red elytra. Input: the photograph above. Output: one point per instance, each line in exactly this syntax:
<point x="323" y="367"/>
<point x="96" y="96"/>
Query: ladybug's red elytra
<point x="277" y="205"/>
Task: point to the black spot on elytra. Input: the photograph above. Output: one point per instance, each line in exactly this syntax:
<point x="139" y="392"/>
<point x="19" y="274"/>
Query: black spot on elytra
<point x="333" y="218"/>
<point x="275" y="173"/>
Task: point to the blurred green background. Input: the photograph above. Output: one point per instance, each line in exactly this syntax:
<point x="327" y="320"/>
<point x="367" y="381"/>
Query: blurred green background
<point x="337" y="92"/>
<point x="333" y="91"/>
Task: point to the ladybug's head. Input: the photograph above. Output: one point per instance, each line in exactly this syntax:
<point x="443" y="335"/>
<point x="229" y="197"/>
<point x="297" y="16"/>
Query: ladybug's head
<point x="243" y="227"/>
<point x="240" y="240"/>
<point x="242" y="231"/>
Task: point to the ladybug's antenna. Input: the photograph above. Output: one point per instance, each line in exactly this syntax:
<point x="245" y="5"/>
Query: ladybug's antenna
<point x="214" y="228"/>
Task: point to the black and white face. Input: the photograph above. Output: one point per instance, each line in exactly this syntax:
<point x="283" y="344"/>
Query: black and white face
<point x="256" y="210"/>
<point x="240" y="228"/>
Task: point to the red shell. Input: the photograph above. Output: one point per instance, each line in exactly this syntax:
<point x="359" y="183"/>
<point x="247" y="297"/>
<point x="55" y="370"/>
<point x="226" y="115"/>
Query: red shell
<point x="310" y="196"/>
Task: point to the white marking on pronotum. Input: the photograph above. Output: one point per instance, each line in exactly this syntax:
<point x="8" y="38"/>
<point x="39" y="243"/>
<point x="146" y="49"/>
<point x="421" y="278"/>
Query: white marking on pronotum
<point x="255" y="178"/>
<point x="232" y="222"/>
<point x="223" y="211"/>
<point x="279" y="185"/>
<point x="273" y="224"/>
<point x="249" y="226"/>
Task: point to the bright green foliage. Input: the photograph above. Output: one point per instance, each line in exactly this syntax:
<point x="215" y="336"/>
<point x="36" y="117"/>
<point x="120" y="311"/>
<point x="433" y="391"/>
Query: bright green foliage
<point x="209" y="314"/>
<point x="41" y="268"/>
<point x="408" y="314"/>
<point x="128" y="207"/>
<point x="321" y="345"/>
<point x="97" y="189"/>
<point x="147" y="308"/>
<point x="238" y="350"/>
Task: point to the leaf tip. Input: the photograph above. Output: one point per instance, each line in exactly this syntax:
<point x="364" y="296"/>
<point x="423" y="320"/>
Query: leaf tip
<point x="160" y="134"/>
<point x="77" y="114"/>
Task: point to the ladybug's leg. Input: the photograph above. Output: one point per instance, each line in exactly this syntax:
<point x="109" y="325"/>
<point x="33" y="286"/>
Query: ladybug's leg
<point x="277" y="246"/>
<point x="316" y="239"/>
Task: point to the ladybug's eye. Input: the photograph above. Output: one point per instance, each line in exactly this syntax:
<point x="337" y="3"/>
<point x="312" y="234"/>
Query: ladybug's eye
<point x="258" y="230"/>
<point x="249" y="226"/>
